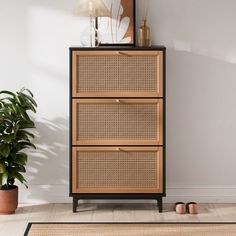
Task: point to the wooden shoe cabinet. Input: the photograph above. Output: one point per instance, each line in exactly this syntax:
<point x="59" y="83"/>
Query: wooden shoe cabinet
<point x="117" y="123"/>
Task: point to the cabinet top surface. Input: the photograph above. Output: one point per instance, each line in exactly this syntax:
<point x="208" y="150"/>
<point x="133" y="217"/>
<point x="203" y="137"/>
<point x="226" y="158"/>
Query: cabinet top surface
<point x="111" y="48"/>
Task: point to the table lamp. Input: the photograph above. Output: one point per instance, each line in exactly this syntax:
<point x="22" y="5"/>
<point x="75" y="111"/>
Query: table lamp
<point x="92" y="9"/>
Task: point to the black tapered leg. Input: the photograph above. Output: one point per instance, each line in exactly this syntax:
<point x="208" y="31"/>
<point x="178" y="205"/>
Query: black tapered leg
<point x="75" y="204"/>
<point x="160" y="204"/>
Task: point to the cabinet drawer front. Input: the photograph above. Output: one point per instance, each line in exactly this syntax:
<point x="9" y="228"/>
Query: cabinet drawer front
<point x="117" y="170"/>
<point x="117" y="74"/>
<point x="117" y="122"/>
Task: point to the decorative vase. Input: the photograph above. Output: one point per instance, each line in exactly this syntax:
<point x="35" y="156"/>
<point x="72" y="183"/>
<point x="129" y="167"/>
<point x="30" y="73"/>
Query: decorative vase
<point x="144" y="35"/>
<point x="8" y="200"/>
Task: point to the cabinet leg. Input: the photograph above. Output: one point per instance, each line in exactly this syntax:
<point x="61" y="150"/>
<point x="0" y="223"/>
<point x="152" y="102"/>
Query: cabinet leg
<point x="75" y="204"/>
<point x="160" y="204"/>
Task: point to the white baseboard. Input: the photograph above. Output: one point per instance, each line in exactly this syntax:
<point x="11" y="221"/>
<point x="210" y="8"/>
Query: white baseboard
<point x="211" y="194"/>
<point x="60" y="194"/>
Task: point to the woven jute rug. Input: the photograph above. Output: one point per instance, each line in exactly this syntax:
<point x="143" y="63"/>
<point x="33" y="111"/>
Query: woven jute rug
<point x="131" y="229"/>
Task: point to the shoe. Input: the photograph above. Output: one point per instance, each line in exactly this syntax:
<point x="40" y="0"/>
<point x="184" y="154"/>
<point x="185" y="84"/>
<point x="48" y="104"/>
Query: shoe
<point x="180" y="208"/>
<point x="192" y="208"/>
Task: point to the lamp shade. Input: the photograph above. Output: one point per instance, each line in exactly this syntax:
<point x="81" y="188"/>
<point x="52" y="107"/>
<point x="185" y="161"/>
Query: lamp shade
<point x="95" y="8"/>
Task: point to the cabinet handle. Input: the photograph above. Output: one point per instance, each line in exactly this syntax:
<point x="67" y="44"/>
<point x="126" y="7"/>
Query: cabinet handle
<point x="120" y="150"/>
<point x="123" y="54"/>
<point x="120" y="101"/>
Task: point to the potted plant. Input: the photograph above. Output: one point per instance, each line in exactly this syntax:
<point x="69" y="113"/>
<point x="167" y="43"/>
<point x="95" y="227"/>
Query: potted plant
<point x="15" y="137"/>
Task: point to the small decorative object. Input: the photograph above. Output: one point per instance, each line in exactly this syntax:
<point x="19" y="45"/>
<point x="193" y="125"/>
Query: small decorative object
<point x="119" y="29"/>
<point x="144" y="33"/>
<point x="15" y="123"/>
<point x="93" y="9"/>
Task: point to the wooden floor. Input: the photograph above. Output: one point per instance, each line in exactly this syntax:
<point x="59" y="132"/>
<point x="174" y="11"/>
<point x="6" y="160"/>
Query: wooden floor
<point x="14" y="225"/>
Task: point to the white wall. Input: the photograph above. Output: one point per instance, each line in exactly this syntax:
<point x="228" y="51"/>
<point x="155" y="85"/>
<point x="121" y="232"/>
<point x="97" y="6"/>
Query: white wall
<point x="201" y="80"/>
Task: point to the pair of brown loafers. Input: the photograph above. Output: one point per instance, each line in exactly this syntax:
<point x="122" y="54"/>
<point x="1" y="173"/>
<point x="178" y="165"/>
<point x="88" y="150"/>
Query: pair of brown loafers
<point x="191" y="208"/>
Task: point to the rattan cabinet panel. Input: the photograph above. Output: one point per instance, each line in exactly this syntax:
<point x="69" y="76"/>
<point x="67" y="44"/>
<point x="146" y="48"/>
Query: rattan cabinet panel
<point x="118" y="74"/>
<point x="117" y="122"/>
<point x="117" y="170"/>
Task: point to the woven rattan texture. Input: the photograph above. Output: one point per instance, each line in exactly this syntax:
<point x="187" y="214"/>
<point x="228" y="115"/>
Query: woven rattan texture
<point x="133" y="229"/>
<point x="118" y="122"/>
<point x="118" y="73"/>
<point x="118" y="169"/>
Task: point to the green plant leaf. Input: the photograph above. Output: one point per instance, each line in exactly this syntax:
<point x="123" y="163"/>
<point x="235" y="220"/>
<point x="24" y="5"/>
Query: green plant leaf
<point x="20" y="168"/>
<point x="7" y="92"/>
<point x="5" y="111"/>
<point x="2" y="168"/>
<point x="30" y="98"/>
<point x="31" y="107"/>
<point x="26" y="124"/>
<point x="16" y="108"/>
<point x="4" y="178"/>
<point x="20" y="100"/>
<point x="27" y="133"/>
<point x="25" y="89"/>
<point x="4" y="150"/>
<point x="21" y="158"/>
<point x="24" y="114"/>
<point x="7" y="138"/>
<point x="22" y="136"/>
<point x="10" y="99"/>
<point x="27" y="144"/>
<point x="19" y="176"/>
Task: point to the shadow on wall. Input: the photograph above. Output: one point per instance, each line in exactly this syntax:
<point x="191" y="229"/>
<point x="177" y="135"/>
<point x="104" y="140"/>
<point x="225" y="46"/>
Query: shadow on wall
<point x="48" y="167"/>
<point x="200" y="119"/>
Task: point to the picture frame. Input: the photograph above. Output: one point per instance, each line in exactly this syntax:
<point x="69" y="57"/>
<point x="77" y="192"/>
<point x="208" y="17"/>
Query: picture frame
<point x="119" y="29"/>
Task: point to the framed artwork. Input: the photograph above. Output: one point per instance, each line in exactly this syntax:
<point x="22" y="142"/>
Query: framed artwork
<point x="119" y="29"/>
